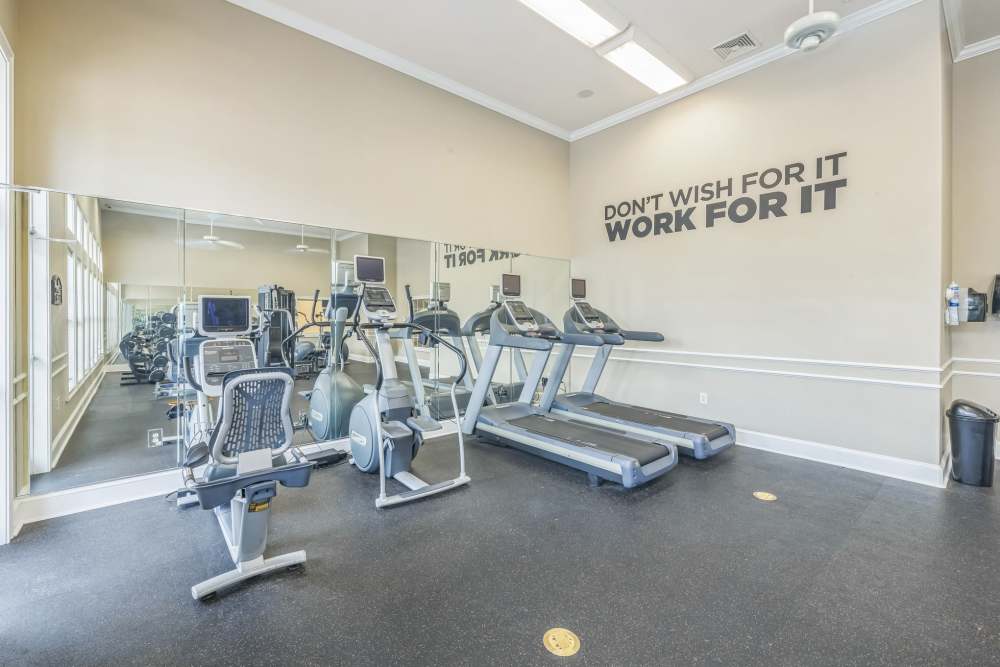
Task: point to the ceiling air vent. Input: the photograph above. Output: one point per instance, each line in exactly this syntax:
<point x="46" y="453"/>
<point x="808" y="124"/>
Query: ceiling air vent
<point x="736" y="46"/>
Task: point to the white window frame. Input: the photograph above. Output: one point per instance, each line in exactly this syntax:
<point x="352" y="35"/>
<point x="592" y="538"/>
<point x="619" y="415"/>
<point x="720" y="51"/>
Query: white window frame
<point x="69" y="298"/>
<point x="41" y="348"/>
<point x="8" y="487"/>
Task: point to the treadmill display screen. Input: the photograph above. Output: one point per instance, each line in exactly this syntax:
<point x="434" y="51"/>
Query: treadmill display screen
<point x="510" y="284"/>
<point x="578" y="290"/>
<point x="369" y="269"/>
<point x="220" y="314"/>
<point x="587" y="311"/>
<point x="519" y="311"/>
<point x="378" y="298"/>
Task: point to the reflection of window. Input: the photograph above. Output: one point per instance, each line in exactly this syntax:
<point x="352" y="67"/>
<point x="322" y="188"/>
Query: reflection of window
<point x="81" y="327"/>
<point x="70" y="297"/>
<point x="87" y="341"/>
<point x="71" y="215"/>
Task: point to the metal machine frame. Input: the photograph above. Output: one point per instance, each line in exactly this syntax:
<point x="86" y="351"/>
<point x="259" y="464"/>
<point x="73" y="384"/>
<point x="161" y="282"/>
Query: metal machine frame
<point x="694" y="436"/>
<point x="603" y="453"/>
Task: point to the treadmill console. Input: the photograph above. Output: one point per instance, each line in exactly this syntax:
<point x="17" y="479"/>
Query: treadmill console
<point x="378" y="304"/>
<point x="218" y="356"/>
<point x="521" y="316"/>
<point x="588" y="315"/>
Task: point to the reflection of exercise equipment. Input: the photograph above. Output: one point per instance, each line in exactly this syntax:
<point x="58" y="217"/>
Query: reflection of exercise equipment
<point x="249" y="450"/>
<point x="146" y="350"/>
<point x="602" y="452"/>
<point x="277" y="309"/>
<point x="335" y="393"/>
<point x="700" y="438"/>
<point x="386" y="428"/>
<point x="434" y="393"/>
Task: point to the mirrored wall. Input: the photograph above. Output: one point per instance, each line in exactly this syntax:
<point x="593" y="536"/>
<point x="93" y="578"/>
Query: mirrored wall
<point x="112" y="289"/>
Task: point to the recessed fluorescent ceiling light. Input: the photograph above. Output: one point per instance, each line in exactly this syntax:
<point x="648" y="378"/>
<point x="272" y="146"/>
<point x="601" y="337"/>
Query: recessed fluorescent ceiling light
<point x="576" y="18"/>
<point x="642" y="65"/>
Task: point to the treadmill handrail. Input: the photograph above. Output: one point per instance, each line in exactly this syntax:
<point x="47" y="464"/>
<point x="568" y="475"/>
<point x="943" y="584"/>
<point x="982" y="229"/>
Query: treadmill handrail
<point x="644" y="336"/>
<point x="590" y="340"/>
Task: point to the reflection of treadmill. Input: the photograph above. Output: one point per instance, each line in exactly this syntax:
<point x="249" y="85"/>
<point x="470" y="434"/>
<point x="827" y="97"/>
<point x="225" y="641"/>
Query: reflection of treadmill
<point x="700" y="438"/>
<point x="435" y="393"/>
<point x="502" y="392"/>
<point x="602" y="452"/>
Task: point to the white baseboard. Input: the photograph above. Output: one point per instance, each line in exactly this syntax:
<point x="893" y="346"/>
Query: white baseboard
<point x="30" y="509"/>
<point x="66" y="432"/>
<point x="930" y="474"/>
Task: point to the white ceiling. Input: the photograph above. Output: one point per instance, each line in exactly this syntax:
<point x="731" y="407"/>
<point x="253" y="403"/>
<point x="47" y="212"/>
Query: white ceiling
<point x="503" y="55"/>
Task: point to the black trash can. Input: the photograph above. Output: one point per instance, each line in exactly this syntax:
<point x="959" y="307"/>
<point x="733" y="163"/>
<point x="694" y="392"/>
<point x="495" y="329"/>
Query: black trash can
<point x="973" y="428"/>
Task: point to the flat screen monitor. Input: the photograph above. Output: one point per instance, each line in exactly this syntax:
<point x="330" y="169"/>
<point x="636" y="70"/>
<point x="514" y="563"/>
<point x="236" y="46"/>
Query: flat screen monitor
<point x="223" y="315"/>
<point x="579" y="288"/>
<point x="369" y="269"/>
<point x="510" y="284"/>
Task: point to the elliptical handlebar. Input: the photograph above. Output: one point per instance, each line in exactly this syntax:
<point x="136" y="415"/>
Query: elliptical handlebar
<point x="312" y="315"/>
<point x="409" y="301"/>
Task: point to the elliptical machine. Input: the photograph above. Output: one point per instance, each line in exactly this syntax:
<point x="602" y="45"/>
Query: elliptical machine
<point x="335" y="393"/>
<point x="437" y="317"/>
<point x="386" y="426"/>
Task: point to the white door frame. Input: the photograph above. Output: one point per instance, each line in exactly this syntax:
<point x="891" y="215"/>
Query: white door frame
<point x="7" y="461"/>
<point x="40" y="345"/>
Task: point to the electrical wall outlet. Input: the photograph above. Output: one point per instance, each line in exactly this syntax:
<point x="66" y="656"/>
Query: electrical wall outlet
<point x="154" y="437"/>
<point x="703" y="398"/>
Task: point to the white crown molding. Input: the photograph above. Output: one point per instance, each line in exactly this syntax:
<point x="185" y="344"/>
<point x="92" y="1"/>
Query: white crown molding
<point x="851" y="22"/>
<point x="953" y="21"/>
<point x="956" y="37"/>
<point x="979" y="48"/>
<point x="287" y="17"/>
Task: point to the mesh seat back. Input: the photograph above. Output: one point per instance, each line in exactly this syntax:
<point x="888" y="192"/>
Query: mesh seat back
<point x="254" y="414"/>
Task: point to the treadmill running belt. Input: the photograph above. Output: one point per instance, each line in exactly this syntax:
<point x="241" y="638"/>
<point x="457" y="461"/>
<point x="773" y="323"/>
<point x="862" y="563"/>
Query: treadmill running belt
<point x="607" y="440"/>
<point x="657" y="419"/>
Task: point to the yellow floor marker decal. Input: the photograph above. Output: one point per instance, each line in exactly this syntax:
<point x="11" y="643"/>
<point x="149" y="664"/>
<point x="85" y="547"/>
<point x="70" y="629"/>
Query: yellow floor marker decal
<point x="765" y="496"/>
<point x="561" y="641"/>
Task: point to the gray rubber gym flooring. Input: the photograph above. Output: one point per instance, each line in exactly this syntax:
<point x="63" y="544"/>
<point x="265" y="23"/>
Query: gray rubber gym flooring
<point x="110" y="440"/>
<point x="845" y="568"/>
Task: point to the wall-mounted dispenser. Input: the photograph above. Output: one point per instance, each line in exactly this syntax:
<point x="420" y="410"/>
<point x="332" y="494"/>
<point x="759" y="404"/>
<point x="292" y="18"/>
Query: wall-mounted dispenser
<point x="964" y="304"/>
<point x="952" y="299"/>
<point x="995" y="291"/>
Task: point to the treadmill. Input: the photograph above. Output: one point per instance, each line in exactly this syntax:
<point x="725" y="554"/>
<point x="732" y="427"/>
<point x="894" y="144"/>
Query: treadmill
<point x="603" y="452"/>
<point x="694" y="437"/>
<point x="501" y="392"/>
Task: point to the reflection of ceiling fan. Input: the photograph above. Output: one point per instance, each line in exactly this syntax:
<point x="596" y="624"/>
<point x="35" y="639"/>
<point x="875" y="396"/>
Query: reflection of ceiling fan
<point x="210" y="241"/>
<point x="302" y="248"/>
<point x="33" y="233"/>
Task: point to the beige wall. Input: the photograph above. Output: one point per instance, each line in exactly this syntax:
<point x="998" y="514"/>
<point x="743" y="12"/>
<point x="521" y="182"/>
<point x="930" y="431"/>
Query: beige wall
<point x="976" y="260"/>
<point x="142" y="250"/>
<point x="860" y="284"/>
<point x="199" y="103"/>
<point x="8" y="21"/>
